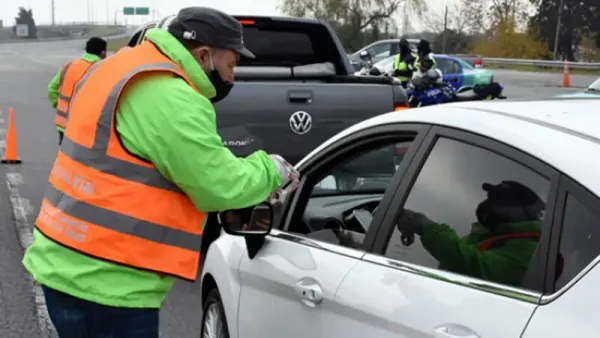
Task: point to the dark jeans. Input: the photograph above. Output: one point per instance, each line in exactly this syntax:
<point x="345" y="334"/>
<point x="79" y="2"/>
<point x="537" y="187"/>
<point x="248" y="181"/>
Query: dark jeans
<point x="76" y="318"/>
<point x="60" y="137"/>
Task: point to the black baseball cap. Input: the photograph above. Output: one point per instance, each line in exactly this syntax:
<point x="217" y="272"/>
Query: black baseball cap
<point x="511" y="193"/>
<point x="210" y="27"/>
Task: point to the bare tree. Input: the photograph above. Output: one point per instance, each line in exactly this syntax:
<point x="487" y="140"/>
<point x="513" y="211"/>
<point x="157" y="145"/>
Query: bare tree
<point x="450" y="18"/>
<point x="359" y="14"/>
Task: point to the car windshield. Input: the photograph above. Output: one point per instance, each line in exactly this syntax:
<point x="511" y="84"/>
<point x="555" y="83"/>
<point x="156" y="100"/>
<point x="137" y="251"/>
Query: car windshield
<point x="385" y="65"/>
<point x="465" y="64"/>
<point x="595" y="86"/>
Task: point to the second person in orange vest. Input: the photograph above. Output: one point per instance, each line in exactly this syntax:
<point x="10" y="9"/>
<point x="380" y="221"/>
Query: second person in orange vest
<point x="140" y="166"/>
<point x="62" y="86"/>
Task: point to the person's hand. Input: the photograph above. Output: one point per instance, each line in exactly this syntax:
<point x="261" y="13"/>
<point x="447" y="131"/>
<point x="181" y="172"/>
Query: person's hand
<point x="413" y="222"/>
<point x="287" y="171"/>
<point x="396" y="72"/>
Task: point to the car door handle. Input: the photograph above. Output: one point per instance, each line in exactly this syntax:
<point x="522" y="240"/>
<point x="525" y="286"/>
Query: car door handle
<point x="454" y="331"/>
<point x="309" y="292"/>
<point x="300" y="96"/>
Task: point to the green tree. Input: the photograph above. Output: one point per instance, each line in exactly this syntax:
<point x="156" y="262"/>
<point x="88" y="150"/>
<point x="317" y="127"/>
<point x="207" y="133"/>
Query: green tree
<point x="25" y="17"/>
<point x="580" y="18"/>
<point x="352" y="18"/>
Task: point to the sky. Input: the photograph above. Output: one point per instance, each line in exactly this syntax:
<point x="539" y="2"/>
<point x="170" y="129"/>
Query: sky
<point x="68" y="11"/>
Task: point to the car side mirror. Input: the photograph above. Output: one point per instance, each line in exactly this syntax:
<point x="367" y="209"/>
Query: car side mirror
<point x="365" y="55"/>
<point x="256" y="223"/>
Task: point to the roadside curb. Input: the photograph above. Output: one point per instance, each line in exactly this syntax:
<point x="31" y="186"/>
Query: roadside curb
<point x="20" y="208"/>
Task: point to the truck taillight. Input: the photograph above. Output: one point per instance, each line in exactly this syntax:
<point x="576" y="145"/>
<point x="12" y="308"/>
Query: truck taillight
<point x="477" y="63"/>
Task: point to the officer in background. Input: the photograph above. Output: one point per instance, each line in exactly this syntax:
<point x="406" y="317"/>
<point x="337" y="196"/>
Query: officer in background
<point x="425" y="60"/>
<point x="404" y="63"/>
<point x="140" y="167"/>
<point x="62" y="86"/>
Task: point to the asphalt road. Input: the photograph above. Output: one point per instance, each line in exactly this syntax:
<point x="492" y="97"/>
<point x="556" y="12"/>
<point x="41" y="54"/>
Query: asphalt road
<point x="25" y="70"/>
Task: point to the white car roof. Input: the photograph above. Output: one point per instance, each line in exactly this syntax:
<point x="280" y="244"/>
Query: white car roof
<point x="564" y="133"/>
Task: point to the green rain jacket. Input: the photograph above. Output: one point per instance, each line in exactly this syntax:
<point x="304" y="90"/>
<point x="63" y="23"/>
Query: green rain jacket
<point x="164" y="120"/>
<point x="54" y="85"/>
<point x="506" y="264"/>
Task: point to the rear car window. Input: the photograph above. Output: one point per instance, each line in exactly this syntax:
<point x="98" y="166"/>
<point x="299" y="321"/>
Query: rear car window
<point x="276" y="43"/>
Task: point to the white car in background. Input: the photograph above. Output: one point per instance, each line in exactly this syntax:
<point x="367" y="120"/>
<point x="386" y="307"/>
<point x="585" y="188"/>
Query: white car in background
<point x="592" y="90"/>
<point x="334" y="263"/>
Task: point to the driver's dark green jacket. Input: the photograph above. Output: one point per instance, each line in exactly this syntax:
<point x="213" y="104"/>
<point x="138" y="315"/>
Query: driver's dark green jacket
<point x="506" y="264"/>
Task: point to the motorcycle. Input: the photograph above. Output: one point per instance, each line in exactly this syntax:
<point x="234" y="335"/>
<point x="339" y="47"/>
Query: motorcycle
<point x="429" y="88"/>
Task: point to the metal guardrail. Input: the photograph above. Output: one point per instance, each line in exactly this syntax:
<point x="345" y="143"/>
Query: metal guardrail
<point x="541" y="63"/>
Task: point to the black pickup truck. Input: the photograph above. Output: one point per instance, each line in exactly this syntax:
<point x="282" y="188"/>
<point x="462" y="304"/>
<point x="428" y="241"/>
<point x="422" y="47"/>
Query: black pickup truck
<point x="298" y="92"/>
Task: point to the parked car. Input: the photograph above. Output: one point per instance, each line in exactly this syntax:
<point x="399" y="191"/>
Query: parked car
<point x="474" y="60"/>
<point x="459" y="73"/>
<point x="335" y="264"/>
<point x="299" y="90"/>
<point x="380" y="50"/>
<point x="592" y="90"/>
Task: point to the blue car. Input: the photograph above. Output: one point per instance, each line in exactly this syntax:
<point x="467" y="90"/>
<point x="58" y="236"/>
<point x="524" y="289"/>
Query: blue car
<point x="456" y="71"/>
<point x="592" y="91"/>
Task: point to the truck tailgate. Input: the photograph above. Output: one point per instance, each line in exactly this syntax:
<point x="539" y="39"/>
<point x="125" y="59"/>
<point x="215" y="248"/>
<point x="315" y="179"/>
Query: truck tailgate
<point x="259" y="115"/>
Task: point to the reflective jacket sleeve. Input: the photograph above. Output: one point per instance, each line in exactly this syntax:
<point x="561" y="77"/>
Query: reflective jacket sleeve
<point x="506" y="265"/>
<point x="53" y="87"/>
<point x="163" y="120"/>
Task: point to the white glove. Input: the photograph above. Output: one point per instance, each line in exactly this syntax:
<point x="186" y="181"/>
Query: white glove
<point x="288" y="174"/>
<point x="285" y="169"/>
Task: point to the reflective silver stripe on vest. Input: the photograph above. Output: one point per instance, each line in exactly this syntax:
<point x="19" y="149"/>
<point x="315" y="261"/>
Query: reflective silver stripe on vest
<point x="61" y="113"/>
<point x="122" y="223"/>
<point x="96" y="156"/>
<point x="114" y="166"/>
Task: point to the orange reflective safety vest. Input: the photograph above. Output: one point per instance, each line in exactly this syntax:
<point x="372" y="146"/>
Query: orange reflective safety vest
<point x="108" y="203"/>
<point x="69" y="75"/>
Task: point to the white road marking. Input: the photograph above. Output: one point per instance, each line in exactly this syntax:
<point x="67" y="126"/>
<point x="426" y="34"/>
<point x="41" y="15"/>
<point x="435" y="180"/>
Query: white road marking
<point x="21" y="208"/>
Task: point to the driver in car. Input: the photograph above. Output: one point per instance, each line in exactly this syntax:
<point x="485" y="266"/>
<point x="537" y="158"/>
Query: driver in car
<point x="500" y="244"/>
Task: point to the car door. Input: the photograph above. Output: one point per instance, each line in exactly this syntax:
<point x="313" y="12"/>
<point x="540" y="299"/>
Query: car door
<point x="289" y="285"/>
<point x="451" y="71"/>
<point x="404" y="291"/>
<point x="566" y="309"/>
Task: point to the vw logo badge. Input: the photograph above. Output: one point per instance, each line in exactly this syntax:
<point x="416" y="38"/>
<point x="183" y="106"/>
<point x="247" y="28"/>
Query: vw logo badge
<point x="300" y="122"/>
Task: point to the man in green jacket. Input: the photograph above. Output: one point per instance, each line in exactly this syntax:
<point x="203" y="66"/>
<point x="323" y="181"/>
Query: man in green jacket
<point x="162" y="119"/>
<point x="500" y="245"/>
<point x="95" y="50"/>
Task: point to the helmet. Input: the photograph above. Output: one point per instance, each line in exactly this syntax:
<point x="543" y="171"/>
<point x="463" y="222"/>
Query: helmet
<point x="434" y="74"/>
<point x="509" y="202"/>
<point x="404" y="45"/>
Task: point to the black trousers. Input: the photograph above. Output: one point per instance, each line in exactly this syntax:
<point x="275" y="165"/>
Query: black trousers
<point x="60" y="137"/>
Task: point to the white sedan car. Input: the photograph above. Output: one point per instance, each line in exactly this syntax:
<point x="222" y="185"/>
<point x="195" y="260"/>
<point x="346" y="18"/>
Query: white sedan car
<point x="481" y="222"/>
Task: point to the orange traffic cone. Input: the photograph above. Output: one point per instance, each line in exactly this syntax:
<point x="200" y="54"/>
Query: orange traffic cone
<point x="10" y="145"/>
<point x="566" y="77"/>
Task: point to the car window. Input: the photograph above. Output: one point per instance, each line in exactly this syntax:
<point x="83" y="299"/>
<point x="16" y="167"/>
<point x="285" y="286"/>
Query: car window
<point x="472" y="212"/>
<point x="368" y="173"/>
<point x="465" y="65"/>
<point x="447" y="66"/>
<point x="578" y="240"/>
<point x="355" y="182"/>
<point x="380" y="50"/>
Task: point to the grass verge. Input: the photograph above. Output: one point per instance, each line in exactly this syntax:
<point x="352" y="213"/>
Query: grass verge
<point x="543" y="69"/>
<point x="114" y="45"/>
